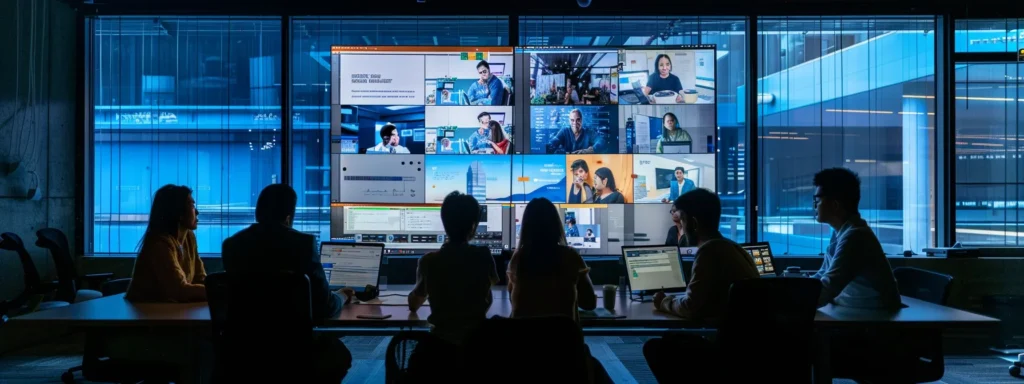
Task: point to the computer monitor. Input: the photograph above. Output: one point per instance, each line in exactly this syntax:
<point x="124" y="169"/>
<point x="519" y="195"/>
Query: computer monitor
<point x="352" y="265"/>
<point x="763" y="258"/>
<point x="654" y="268"/>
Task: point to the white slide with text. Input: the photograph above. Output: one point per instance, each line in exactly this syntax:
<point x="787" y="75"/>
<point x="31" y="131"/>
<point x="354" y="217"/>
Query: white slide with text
<point x="376" y="79"/>
<point x="381" y="179"/>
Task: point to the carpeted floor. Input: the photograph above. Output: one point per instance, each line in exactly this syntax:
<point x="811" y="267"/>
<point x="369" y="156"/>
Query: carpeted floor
<point x="621" y="356"/>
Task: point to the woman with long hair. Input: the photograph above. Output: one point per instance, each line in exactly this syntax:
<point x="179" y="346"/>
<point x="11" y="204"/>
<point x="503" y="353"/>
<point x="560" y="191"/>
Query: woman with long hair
<point x="499" y="141"/>
<point x="548" y="278"/>
<point x="671" y="133"/>
<point x="168" y="268"/>
<point x="663" y="79"/>
<point x="604" y="187"/>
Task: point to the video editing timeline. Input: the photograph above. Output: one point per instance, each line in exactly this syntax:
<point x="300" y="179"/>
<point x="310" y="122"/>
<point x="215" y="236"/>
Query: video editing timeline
<point x="413" y="229"/>
<point x="411" y="124"/>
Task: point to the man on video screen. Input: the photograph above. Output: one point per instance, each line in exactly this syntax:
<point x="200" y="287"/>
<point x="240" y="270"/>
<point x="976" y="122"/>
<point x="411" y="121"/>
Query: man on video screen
<point x="389" y="137"/>
<point x="575" y="139"/>
<point x="488" y="90"/>
<point x="481" y="138"/>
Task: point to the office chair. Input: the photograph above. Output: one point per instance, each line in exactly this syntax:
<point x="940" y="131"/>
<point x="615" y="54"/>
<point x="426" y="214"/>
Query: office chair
<point x="33" y="294"/>
<point x="265" y="331"/>
<point x="68" y="280"/>
<point x="923" y="284"/>
<point x="549" y="349"/>
<point x="399" y="356"/>
<point x="772" y="319"/>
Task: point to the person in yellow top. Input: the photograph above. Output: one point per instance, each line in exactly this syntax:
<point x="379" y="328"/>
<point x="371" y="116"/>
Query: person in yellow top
<point x="168" y="268"/>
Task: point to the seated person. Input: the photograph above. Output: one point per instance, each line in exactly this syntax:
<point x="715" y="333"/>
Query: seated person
<point x="168" y="267"/>
<point x="546" y="277"/>
<point x="271" y="244"/>
<point x="718" y="264"/>
<point x="854" y="272"/>
<point x="575" y="139"/>
<point x="719" y="261"/>
<point x="488" y="89"/>
<point x="457" y="278"/>
<point x="676" y="236"/>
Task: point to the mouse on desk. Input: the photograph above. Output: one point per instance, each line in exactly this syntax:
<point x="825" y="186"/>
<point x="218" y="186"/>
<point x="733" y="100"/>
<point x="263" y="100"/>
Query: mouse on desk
<point x="369" y="293"/>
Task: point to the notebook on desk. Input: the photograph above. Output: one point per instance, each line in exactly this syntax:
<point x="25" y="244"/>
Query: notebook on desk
<point x="352" y="265"/>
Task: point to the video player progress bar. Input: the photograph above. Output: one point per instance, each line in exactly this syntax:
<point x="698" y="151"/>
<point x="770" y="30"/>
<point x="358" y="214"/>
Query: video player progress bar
<point x="379" y="178"/>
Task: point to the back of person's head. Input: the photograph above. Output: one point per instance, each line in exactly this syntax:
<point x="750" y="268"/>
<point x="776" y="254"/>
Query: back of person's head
<point x="276" y="204"/>
<point x="702" y="209"/>
<point x="540" y="235"/>
<point x="460" y="214"/>
<point x="169" y="205"/>
<point x="840" y="184"/>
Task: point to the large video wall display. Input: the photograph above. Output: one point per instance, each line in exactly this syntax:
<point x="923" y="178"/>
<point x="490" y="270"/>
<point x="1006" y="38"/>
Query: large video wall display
<point x="599" y="132"/>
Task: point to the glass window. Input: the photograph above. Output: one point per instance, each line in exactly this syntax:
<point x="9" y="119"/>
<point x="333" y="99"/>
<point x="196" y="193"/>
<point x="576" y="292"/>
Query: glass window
<point x="988" y="35"/>
<point x="846" y="92"/>
<point x="728" y="34"/>
<point x="311" y="74"/>
<point x="182" y="100"/>
<point x="989" y="164"/>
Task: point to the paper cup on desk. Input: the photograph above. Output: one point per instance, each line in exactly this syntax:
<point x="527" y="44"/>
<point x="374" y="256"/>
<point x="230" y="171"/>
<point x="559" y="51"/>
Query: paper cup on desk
<point x="609" y="296"/>
<point x="690" y="96"/>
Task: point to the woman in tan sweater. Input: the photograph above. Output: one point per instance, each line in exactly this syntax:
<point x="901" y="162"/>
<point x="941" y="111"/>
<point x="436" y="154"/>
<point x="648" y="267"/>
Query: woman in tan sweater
<point x="168" y="268"/>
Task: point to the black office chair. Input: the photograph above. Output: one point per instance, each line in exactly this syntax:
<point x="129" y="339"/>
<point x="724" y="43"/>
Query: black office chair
<point x="33" y="295"/>
<point x="116" y="286"/>
<point x="923" y="284"/>
<point x="767" y="320"/>
<point x="263" y="328"/>
<point x="69" y="283"/>
<point x="399" y="355"/>
<point x="529" y="346"/>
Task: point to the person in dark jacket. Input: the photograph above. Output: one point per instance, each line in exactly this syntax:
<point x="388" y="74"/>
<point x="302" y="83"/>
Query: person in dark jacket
<point x="271" y="245"/>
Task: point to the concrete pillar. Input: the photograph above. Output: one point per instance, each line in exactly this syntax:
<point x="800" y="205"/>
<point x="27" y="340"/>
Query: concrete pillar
<point x="918" y="166"/>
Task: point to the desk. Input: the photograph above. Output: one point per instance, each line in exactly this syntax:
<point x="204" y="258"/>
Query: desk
<point x="114" y="311"/>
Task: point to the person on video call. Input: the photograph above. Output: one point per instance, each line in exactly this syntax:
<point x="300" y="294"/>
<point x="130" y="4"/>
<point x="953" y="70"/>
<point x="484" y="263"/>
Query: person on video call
<point x="680" y="185"/>
<point x="571" y="230"/>
<point x="575" y="139"/>
<point x="671" y="133"/>
<point x="552" y="96"/>
<point x="604" y="183"/>
<point x="446" y="146"/>
<point x="481" y="138"/>
<point x="498" y="139"/>
<point x="589" y="238"/>
<point x="571" y="95"/>
<point x="581" y="192"/>
<point x="488" y="90"/>
<point x="676" y="235"/>
<point x="389" y="141"/>
<point x="664" y="80"/>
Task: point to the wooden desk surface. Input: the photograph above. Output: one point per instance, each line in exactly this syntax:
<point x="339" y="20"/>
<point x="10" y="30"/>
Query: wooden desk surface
<point x="114" y="311"/>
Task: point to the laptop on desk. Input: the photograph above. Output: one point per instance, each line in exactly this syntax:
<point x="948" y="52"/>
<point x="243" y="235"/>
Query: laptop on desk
<point x="763" y="258"/>
<point x="676" y="147"/>
<point x="351" y="265"/>
<point x="653" y="268"/>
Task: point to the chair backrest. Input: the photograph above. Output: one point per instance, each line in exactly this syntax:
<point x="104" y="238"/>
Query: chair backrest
<point x="262" y="322"/>
<point x="923" y="284"/>
<point x="521" y="348"/>
<point x="53" y="240"/>
<point x="116" y="286"/>
<point x="33" y="284"/>
<point x="399" y="352"/>
<point x="773" y="319"/>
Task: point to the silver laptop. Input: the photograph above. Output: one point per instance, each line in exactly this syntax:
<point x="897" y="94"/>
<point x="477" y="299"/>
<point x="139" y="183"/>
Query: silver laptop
<point x="676" y="146"/>
<point x="351" y="265"/>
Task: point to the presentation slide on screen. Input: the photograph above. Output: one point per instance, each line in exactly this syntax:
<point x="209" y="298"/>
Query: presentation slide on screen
<point x="381" y="78"/>
<point x="575" y="129"/>
<point x="570" y="77"/>
<point x="669" y="128"/>
<point x="469" y="130"/>
<point x="378" y="179"/>
<point x="674" y="76"/>
<point x="663" y="178"/>
<point x="378" y="129"/>
<point x="535" y="176"/>
<point x="599" y="179"/>
<point x="485" y="177"/>
<point x="468" y="78"/>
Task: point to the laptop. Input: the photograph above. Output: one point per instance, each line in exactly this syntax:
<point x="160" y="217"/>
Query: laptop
<point x="653" y="268"/>
<point x="352" y="265"/>
<point x="636" y="81"/>
<point x="676" y="146"/>
<point x="763" y="258"/>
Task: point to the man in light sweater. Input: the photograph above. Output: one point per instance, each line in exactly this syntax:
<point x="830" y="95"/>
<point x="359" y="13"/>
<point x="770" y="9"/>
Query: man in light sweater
<point x="855" y="272"/>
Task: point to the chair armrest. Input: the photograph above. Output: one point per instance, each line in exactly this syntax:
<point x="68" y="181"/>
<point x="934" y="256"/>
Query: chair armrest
<point x="98" y="276"/>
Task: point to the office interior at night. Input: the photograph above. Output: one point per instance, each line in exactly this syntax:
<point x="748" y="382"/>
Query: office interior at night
<point x="373" y="120"/>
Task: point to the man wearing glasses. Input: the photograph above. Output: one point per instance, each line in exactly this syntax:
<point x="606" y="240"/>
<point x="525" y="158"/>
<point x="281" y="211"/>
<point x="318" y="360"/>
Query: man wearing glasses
<point x="389" y="138"/>
<point x="488" y="90"/>
<point x="575" y="139"/>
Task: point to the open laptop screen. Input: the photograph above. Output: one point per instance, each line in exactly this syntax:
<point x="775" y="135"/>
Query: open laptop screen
<point x="652" y="268"/>
<point x="354" y="265"/>
<point x="763" y="258"/>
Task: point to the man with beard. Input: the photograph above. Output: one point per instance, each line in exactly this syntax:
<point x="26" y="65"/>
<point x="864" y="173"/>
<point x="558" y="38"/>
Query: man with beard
<point x="719" y="261"/>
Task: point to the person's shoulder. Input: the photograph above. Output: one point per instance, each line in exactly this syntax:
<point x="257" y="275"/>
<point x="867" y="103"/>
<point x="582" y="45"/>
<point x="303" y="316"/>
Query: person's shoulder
<point x="719" y="246"/>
